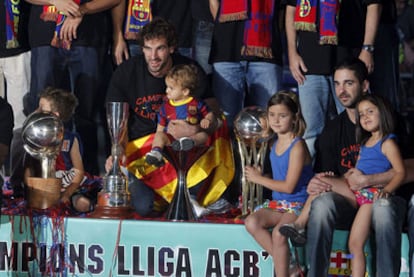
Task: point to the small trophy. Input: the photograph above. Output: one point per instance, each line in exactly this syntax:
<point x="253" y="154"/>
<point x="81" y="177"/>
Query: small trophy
<point x="114" y="200"/>
<point x="42" y="135"/>
<point x="251" y="130"/>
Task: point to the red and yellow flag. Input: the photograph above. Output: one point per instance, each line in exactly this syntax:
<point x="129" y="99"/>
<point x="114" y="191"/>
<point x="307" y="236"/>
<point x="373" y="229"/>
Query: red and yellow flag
<point x="217" y="162"/>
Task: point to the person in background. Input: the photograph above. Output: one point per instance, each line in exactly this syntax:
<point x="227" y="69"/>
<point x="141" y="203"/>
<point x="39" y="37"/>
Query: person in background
<point x="128" y="18"/>
<point x="6" y="135"/>
<point x="67" y="38"/>
<point x="311" y="45"/>
<point x="14" y="56"/>
<point x="247" y="65"/>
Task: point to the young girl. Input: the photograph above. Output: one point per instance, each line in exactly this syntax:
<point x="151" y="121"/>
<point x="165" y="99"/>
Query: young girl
<point x="77" y="190"/>
<point x="291" y="169"/>
<point x="379" y="152"/>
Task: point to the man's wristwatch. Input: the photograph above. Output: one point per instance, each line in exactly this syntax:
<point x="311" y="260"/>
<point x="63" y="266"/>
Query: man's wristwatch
<point x="368" y="47"/>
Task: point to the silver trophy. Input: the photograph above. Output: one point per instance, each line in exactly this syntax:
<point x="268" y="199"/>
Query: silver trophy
<point x="252" y="134"/>
<point x="42" y="135"/>
<point x="113" y="200"/>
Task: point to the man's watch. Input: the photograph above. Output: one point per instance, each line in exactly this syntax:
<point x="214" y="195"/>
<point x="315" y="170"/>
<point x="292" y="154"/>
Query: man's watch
<point x="368" y="47"/>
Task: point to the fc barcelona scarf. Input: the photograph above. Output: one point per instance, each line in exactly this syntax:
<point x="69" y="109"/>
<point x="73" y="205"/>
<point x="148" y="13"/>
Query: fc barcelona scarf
<point x="138" y="15"/>
<point x="306" y="18"/>
<point x="257" y="39"/>
<point x="12" y="23"/>
<point x="232" y="10"/>
<point x="50" y="13"/>
<point x="216" y="165"/>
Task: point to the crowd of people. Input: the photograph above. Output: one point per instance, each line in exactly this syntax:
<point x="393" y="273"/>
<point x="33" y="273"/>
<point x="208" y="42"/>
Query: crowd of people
<point x="187" y="68"/>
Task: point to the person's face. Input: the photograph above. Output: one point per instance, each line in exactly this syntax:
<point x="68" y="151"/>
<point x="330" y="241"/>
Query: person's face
<point x="281" y="119"/>
<point x="369" y="116"/>
<point x="44" y="105"/>
<point x="158" y="56"/>
<point x="175" y="91"/>
<point x="348" y="89"/>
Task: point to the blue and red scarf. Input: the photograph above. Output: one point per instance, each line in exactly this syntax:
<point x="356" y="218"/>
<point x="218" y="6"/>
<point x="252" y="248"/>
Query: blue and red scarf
<point x="257" y="41"/>
<point x="12" y="23"/>
<point x="50" y="13"/>
<point x="138" y="15"/>
<point x="306" y="18"/>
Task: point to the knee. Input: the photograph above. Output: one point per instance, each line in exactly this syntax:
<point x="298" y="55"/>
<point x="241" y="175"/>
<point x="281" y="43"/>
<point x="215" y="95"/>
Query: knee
<point x="387" y="212"/>
<point x="322" y="206"/>
<point x="251" y="224"/>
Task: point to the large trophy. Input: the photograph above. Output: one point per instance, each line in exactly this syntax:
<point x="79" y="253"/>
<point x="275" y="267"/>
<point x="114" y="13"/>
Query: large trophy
<point x="42" y="135"/>
<point x="181" y="208"/>
<point x="114" y="200"/>
<point x="252" y="134"/>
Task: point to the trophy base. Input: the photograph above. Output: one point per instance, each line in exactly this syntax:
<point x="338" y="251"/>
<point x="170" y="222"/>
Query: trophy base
<point x="112" y="212"/>
<point x="112" y="205"/>
<point x="43" y="193"/>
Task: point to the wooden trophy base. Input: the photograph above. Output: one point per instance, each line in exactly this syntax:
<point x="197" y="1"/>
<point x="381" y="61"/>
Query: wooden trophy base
<point x="106" y="209"/>
<point x="43" y="193"/>
<point x="112" y="212"/>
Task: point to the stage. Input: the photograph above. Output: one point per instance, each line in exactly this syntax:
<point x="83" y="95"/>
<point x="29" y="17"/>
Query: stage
<point x="69" y="246"/>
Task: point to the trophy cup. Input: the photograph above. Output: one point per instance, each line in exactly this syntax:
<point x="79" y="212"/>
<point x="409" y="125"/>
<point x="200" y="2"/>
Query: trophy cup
<point x="113" y="200"/>
<point x="181" y="208"/>
<point x="42" y="135"/>
<point x="251" y="131"/>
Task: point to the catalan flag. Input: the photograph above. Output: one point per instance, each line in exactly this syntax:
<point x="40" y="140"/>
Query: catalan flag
<point x="215" y="166"/>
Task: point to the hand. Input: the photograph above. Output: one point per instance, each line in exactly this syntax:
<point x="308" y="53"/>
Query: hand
<point x="67" y="7"/>
<point x="205" y="123"/>
<point x="252" y="174"/>
<point x="356" y="179"/>
<point x="368" y="59"/>
<point x="109" y="163"/>
<point x="120" y="50"/>
<point x="317" y="185"/>
<point x="383" y="194"/>
<point x="70" y="27"/>
<point x="180" y="128"/>
<point x="297" y="68"/>
<point x="65" y="199"/>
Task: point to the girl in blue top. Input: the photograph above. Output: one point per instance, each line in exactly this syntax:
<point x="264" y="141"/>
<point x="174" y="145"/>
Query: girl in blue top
<point x="291" y="169"/>
<point x="379" y="152"/>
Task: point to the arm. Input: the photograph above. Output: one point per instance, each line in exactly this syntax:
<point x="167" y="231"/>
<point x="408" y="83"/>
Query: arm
<point x="357" y="180"/>
<point x="209" y="121"/>
<point x="78" y="169"/>
<point x="371" y="26"/>
<point x="71" y="23"/>
<point x="119" y="45"/>
<point x="392" y="152"/>
<point x="179" y="128"/>
<point x="214" y="7"/>
<point x="297" y="160"/>
<point x="296" y="64"/>
<point x="68" y="7"/>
